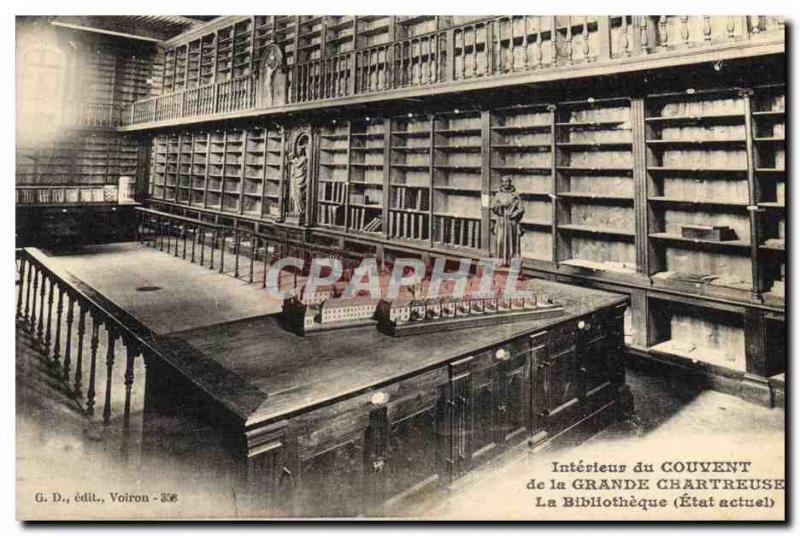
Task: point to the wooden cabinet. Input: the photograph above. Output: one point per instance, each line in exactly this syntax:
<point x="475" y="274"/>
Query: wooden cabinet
<point x="73" y="225"/>
<point x="376" y="452"/>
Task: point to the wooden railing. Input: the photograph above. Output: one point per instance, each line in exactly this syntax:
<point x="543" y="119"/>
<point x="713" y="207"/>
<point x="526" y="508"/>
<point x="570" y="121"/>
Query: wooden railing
<point x="490" y="47"/>
<point x="241" y="253"/>
<point x="79" y="336"/>
<point x="237" y="94"/>
<point x="91" y="115"/>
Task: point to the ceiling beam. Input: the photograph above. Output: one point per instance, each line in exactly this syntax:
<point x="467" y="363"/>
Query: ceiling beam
<point x="102" y="31"/>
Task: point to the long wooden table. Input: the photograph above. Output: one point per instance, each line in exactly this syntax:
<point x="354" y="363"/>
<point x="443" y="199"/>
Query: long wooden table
<point x="352" y="422"/>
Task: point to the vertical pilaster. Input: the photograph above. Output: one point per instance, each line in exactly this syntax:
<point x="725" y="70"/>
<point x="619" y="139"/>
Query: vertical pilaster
<point x="640" y="193"/>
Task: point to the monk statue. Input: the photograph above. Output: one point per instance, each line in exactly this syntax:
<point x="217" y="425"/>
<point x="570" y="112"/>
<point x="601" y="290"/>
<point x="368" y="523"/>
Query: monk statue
<point x="299" y="175"/>
<point x="507" y="207"/>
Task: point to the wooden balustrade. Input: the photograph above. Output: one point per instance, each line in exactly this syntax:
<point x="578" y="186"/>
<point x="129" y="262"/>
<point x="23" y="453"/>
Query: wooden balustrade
<point x="494" y="46"/>
<point x="92" y="115"/>
<point x="241" y="253"/>
<point x="48" y="304"/>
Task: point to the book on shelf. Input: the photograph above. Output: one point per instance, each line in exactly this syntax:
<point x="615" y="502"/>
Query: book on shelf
<point x="329" y="214"/>
<point x="717" y="233"/>
<point x="373" y="226"/>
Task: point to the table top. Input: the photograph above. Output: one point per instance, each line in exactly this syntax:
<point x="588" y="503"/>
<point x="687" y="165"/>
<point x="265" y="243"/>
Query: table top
<point x="286" y="373"/>
<point x="225" y="335"/>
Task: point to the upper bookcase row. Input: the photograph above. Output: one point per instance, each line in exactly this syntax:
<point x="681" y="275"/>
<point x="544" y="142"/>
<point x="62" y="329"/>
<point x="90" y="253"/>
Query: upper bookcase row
<point x="686" y="187"/>
<point x="235" y="50"/>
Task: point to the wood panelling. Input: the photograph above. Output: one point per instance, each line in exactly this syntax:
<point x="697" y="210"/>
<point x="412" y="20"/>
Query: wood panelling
<point x="379" y="451"/>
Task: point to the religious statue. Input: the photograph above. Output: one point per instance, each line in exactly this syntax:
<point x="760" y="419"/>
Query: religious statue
<point x="271" y="62"/>
<point x="298" y="170"/>
<point x="507" y="206"/>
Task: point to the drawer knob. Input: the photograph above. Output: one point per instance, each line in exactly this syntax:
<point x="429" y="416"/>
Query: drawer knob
<point x="501" y="354"/>
<point x="583" y="325"/>
<point x="379" y="398"/>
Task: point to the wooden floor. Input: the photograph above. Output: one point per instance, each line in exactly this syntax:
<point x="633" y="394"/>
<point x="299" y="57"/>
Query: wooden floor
<point x="224" y="335"/>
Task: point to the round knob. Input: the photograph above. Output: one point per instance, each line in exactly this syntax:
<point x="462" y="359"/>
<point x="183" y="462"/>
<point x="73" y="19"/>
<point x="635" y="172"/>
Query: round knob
<point x="581" y="324"/>
<point x="501" y="354"/>
<point x="379" y="398"/>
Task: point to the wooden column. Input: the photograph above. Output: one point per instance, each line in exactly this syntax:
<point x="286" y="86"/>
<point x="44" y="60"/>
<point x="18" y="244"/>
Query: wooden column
<point x="641" y="239"/>
<point x="752" y="196"/>
<point x="387" y="173"/>
<point x="486" y="177"/>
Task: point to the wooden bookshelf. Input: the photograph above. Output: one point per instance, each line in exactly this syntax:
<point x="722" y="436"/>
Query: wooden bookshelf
<point x="457" y="179"/>
<point x="366" y="175"/>
<point x="594" y="188"/>
<point x="696" y="158"/>
<point x="263" y="35"/>
<point x="171" y="172"/>
<point x="254" y="175"/>
<point x="195" y="50"/>
<point x="216" y="169"/>
<point x="185" y="159"/>
<point x="158" y="167"/>
<point x="333" y="174"/>
<point x="286" y="36"/>
<point x="273" y="185"/>
<point x="233" y="175"/>
<point x="242" y="48"/>
<point x="199" y="168"/>
<point x="410" y="171"/>
<point x="521" y="145"/>
<point x="768" y="120"/>
<point x="310" y="37"/>
<point x="414" y="25"/>
<point x="224" y="52"/>
<point x="340" y="34"/>
<point x="607" y="185"/>
<point x="181" y="62"/>
<point x="691" y="333"/>
<point x="374" y="30"/>
<point x="207" y="59"/>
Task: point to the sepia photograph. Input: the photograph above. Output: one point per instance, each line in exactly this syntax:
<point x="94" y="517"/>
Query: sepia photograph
<point x="400" y="267"/>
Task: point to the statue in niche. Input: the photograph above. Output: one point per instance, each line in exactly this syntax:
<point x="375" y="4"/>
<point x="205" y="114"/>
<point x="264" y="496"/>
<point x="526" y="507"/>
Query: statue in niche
<point x="507" y="206"/>
<point x="272" y="76"/>
<point x="298" y="173"/>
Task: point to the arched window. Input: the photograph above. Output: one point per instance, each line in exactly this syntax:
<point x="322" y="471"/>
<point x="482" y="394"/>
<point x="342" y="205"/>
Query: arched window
<point x="42" y="74"/>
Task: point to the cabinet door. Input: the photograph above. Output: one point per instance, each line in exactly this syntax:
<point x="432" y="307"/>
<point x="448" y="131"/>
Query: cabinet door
<point x="411" y="455"/>
<point x="456" y="418"/>
<point x="596" y="351"/>
<point x="332" y="481"/>
<point x="484" y="436"/>
<point x="595" y="356"/>
<point x="558" y="384"/>
<point x="271" y="475"/>
<point x="272" y="469"/>
<point x="513" y="400"/>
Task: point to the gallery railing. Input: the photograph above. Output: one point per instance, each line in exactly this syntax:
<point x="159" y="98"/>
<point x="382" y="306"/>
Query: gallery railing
<point x="77" y="333"/>
<point x="242" y="253"/>
<point x="490" y="47"/>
